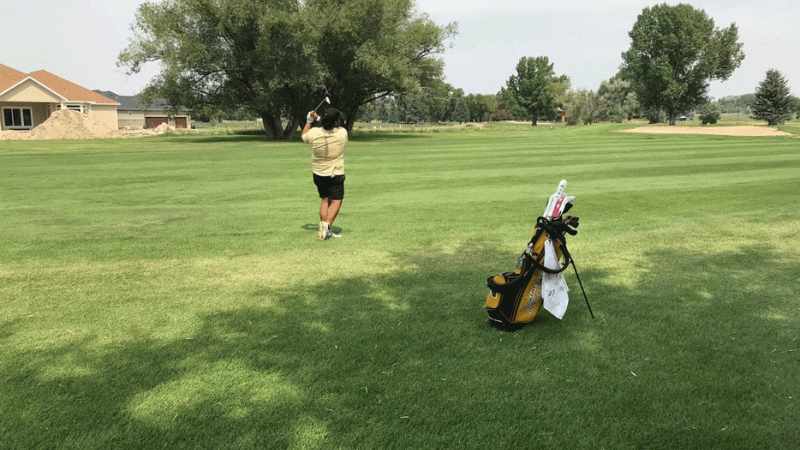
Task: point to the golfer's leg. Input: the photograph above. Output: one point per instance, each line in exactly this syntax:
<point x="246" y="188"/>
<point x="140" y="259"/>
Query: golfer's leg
<point x="333" y="210"/>
<point x="322" y="233"/>
<point x="323" y="210"/>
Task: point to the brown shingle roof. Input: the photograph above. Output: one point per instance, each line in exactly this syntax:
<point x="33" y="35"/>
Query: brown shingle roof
<point x="70" y="91"/>
<point x="9" y="77"/>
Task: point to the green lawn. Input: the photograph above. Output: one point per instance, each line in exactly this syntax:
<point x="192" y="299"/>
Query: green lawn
<point x="169" y="292"/>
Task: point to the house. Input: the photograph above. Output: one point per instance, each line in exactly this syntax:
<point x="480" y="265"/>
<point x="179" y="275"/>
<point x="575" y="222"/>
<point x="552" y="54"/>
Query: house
<point x="133" y="113"/>
<point x="28" y="99"/>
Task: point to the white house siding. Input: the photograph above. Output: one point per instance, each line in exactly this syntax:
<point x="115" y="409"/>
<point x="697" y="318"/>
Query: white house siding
<point x="29" y="91"/>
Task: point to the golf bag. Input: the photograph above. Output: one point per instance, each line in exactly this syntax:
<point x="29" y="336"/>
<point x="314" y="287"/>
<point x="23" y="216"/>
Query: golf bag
<point x="515" y="297"/>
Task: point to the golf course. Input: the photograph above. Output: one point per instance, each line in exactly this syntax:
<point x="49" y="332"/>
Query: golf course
<point x="168" y="292"/>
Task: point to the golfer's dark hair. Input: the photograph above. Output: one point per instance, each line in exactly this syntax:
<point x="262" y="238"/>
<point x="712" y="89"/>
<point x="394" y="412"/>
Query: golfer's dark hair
<point x="329" y="117"/>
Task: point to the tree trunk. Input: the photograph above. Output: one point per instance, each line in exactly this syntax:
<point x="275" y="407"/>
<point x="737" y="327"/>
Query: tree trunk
<point x="534" y="122"/>
<point x="272" y="128"/>
<point x="351" y="114"/>
<point x="291" y="128"/>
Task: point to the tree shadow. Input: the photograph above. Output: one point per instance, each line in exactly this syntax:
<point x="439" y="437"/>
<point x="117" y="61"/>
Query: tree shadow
<point x="406" y="359"/>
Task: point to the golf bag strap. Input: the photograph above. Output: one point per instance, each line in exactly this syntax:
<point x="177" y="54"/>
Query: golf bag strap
<point x="564" y="253"/>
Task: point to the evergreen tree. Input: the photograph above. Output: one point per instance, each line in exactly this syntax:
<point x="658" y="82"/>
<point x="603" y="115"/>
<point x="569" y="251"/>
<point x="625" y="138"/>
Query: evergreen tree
<point x="773" y="100"/>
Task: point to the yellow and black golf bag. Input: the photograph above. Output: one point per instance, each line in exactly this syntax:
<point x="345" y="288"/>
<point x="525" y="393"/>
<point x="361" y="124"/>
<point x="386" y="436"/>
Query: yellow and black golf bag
<point x="515" y="297"/>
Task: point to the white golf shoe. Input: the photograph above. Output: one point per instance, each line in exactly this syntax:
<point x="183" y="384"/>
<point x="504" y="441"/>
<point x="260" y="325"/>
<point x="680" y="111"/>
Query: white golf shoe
<point x="323" y="231"/>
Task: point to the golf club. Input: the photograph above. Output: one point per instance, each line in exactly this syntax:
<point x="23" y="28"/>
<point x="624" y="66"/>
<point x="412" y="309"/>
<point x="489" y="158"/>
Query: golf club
<point x="325" y="100"/>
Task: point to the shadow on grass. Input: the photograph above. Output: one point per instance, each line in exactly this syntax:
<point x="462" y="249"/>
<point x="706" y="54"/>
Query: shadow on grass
<point x="315" y="226"/>
<point x="685" y="358"/>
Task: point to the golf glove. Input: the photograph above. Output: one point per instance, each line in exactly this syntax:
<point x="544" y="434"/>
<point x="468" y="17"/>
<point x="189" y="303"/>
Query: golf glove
<point x="309" y="119"/>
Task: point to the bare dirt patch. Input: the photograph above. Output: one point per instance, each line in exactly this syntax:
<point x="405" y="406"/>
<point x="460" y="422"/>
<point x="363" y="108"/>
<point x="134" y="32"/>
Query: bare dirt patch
<point x="733" y="130"/>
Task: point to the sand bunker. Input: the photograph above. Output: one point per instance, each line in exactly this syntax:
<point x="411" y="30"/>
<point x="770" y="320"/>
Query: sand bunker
<point x="64" y="124"/>
<point x="734" y="130"/>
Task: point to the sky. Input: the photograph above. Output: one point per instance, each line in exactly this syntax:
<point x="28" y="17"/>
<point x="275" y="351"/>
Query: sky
<point x="583" y="39"/>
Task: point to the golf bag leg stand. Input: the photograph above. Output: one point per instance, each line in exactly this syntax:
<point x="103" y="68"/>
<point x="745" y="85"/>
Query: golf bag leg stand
<point x="582" y="290"/>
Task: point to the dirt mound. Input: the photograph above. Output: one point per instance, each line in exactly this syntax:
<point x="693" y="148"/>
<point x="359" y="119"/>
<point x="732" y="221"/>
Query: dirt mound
<point x="164" y="127"/>
<point x="64" y="124"/>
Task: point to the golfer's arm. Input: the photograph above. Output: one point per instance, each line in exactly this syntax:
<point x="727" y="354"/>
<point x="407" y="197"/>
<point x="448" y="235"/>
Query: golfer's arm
<point x="305" y="129"/>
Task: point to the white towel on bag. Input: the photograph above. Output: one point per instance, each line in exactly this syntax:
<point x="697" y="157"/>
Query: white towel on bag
<point x="554" y="287"/>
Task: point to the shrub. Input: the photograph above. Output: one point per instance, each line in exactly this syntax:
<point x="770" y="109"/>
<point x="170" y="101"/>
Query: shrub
<point x="709" y="113"/>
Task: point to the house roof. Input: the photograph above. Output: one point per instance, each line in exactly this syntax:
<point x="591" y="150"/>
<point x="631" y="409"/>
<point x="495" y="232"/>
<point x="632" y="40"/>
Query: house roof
<point x="10" y="77"/>
<point x="69" y="91"/>
<point x="131" y="102"/>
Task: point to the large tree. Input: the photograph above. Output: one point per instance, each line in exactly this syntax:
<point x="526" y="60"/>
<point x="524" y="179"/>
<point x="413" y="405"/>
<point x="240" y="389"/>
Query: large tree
<point x="675" y="52"/>
<point x="773" y="101"/>
<point x="535" y="87"/>
<point x="370" y="49"/>
<point x="226" y="54"/>
<point x="279" y="58"/>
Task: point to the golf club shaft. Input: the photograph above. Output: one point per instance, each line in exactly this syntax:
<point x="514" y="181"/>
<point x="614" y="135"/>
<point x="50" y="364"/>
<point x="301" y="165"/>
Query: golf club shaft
<point x="324" y="100"/>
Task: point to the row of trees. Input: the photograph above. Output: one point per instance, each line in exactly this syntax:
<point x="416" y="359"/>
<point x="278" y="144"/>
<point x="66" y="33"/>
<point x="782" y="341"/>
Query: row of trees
<point x="380" y="60"/>
<point x="614" y="101"/>
<point x="439" y="102"/>
<point x="675" y="52"/>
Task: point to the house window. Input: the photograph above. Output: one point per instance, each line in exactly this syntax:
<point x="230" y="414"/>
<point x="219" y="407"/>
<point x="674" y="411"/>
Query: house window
<point x="78" y="108"/>
<point x="17" y="118"/>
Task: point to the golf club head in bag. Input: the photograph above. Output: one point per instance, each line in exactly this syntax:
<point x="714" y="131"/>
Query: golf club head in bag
<point x="559" y="202"/>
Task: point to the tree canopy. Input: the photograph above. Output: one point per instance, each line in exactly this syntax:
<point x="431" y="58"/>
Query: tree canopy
<point x="616" y="100"/>
<point x="279" y="58"/>
<point x="535" y="87"/>
<point x="675" y="52"/>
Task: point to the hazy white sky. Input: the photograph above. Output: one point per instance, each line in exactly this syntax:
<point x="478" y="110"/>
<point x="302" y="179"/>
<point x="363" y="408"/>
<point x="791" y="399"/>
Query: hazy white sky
<point x="80" y="40"/>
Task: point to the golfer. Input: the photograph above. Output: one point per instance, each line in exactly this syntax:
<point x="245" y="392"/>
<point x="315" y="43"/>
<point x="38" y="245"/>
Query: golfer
<point x="327" y="162"/>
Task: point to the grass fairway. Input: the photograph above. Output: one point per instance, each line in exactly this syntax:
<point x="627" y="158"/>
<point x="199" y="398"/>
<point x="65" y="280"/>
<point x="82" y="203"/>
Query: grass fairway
<point x="169" y="293"/>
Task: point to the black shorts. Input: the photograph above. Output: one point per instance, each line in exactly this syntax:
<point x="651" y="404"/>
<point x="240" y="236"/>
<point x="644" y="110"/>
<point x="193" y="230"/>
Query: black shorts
<point x="331" y="188"/>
